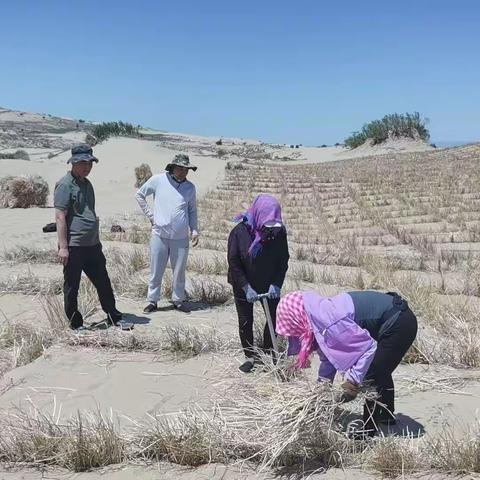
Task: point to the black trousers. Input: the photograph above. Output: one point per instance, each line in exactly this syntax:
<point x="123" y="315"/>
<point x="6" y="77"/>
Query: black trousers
<point x="391" y="348"/>
<point x="245" y="322"/>
<point x="90" y="260"/>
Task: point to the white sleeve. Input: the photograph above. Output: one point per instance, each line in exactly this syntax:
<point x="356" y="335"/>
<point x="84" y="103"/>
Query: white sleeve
<point x="148" y="188"/>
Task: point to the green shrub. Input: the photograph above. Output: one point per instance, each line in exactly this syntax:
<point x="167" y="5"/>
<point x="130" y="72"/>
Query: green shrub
<point x="395" y="125"/>
<point x="105" y="130"/>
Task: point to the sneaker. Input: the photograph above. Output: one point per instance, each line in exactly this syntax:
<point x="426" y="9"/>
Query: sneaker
<point x="357" y="430"/>
<point x="181" y="307"/>
<point x="114" y="317"/>
<point x="151" y="307"/>
<point x="122" y="324"/>
<point x="246" y="366"/>
<point x="82" y="329"/>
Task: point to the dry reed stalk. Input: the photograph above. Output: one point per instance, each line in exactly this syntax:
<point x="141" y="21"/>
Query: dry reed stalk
<point x="83" y="442"/>
<point x="278" y="423"/>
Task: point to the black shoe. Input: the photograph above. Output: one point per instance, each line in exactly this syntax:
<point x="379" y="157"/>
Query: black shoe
<point x="151" y="307"/>
<point x="387" y="421"/>
<point x="246" y="367"/>
<point x="114" y="316"/>
<point x="82" y="330"/>
<point x="76" y="320"/>
<point x="181" y="307"/>
<point x="358" y="430"/>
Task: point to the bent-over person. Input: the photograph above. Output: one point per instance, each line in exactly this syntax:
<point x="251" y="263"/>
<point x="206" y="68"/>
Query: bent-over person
<point x="363" y="334"/>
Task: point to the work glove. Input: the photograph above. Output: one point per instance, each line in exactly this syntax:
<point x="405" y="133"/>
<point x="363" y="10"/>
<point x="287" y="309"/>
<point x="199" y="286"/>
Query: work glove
<point x="349" y="393"/>
<point x="250" y="293"/>
<point x="273" y="292"/>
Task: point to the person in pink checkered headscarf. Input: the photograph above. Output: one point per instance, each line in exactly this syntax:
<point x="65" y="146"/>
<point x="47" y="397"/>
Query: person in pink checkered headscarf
<point x="362" y="334"/>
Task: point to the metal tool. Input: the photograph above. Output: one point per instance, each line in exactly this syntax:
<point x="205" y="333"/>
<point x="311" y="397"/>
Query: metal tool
<point x="263" y="297"/>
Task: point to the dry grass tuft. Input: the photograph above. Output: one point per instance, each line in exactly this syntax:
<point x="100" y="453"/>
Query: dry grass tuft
<point x="21" y="344"/>
<point x="209" y="291"/>
<point x="392" y="456"/>
<point x="23" y="192"/>
<point x="190" y="439"/>
<point x="142" y="173"/>
<point x="24" y="254"/>
<point x="31" y="285"/>
<point x="82" y="443"/>
<point x="187" y="341"/>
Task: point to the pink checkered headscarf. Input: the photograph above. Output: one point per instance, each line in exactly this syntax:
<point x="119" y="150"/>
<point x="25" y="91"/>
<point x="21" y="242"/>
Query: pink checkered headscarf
<point x="292" y="321"/>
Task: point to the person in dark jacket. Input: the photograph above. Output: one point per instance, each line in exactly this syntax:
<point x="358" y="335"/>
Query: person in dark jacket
<point x="362" y="334"/>
<point x="257" y="263"/>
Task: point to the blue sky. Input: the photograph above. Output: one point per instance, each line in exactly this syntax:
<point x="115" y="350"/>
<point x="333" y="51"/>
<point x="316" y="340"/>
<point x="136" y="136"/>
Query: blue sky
<point x="305" y="72"/>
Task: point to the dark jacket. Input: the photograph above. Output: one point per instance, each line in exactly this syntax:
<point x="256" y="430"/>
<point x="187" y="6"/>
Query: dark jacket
<point x="269" y="267"/>
<point x="375" y="312"/>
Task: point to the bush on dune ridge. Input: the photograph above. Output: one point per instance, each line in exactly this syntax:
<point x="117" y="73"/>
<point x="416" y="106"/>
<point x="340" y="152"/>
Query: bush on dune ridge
<point x="395" y="125"/>
<point x="105" y="130"/>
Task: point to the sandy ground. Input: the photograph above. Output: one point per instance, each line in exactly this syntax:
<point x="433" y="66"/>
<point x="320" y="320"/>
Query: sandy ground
<point x="66" y="379"/>
<point x="113" y="179"/>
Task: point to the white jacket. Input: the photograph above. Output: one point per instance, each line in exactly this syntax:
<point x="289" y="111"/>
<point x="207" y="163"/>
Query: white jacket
<point x="174" y="208"/>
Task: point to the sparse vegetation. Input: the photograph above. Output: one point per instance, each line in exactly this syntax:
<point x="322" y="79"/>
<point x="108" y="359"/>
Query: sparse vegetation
<point x="142" y="174"/>
<point x="19" y="154"/>
<point x="23" y="191"/>
<point x="395" y="125"/>
<point x="403" y="222"/>
<point x="105" y="130"/>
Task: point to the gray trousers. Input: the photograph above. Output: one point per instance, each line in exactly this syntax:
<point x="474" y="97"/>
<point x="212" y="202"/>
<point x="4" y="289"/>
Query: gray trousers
<point x="162" y="249"/>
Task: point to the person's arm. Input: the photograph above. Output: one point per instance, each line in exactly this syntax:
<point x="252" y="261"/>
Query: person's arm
<point x="61" y="202"/>
<point x="326" y="371"/>
<point x="294" y="346"/>
<point x="282" y="264"/>
<point x="61" y="221"/>
<point x="148" y="188"/>
<point x="357" y="373"/>
<point x="234" y="259"/>
<point x="193" y="217"/>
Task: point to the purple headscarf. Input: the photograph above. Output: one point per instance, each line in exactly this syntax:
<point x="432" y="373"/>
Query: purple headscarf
<point x="264" y="209"/>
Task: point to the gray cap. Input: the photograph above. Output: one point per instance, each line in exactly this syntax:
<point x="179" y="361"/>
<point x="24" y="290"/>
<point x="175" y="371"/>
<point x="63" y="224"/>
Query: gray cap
<point x="82" y="152"/>
<point x="181" y="160"/>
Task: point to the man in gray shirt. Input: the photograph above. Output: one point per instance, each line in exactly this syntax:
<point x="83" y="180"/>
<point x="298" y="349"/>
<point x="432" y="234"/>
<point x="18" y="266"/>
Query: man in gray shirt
<point x="79" y="246"/>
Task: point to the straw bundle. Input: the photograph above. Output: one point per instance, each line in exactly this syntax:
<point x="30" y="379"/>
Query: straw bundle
<point x="23" y="191"/>
<point x="269" y="422"/>
<point x="142" y="174"/>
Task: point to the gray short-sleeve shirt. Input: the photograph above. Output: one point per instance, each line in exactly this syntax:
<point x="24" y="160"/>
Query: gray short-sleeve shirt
<point x="77" y="198"/>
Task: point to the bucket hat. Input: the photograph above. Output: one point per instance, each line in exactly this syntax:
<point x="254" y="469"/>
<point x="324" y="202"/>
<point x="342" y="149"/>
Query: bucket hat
<point x="181" y="160"/>
<point x="82" y="152"/>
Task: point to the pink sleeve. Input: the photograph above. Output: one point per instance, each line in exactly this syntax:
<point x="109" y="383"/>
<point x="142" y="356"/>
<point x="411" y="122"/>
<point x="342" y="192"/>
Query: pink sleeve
<point x="357" y="373"/>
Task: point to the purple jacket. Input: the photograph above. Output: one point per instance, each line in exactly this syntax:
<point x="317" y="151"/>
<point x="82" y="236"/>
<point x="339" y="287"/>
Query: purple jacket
<point x="342" y="344"/>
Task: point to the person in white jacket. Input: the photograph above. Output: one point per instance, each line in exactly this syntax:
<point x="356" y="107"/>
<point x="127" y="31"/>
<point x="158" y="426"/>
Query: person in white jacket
<point x="173" y="219"/>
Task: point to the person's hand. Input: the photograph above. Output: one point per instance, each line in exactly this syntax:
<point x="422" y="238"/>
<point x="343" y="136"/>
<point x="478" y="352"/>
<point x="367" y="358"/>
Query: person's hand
<point x="194" y="239"/>
<point x="350" y="392"/>
<point x="63" y="255"/>
<point x="250" y="293"/>
<point x="273" y="292"/>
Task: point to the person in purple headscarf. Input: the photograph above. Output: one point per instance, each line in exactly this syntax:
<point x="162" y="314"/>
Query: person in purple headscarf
<point x="257" y="263"/>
